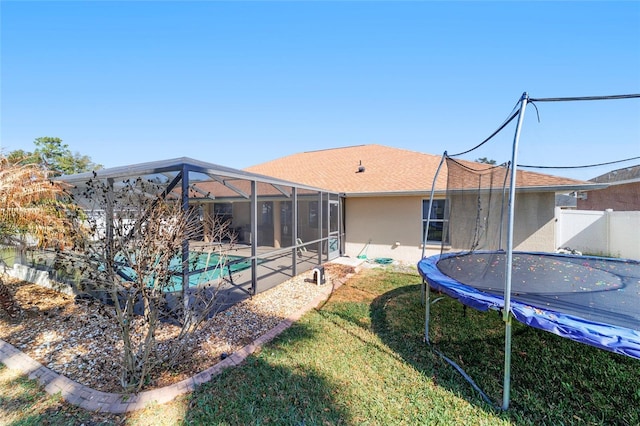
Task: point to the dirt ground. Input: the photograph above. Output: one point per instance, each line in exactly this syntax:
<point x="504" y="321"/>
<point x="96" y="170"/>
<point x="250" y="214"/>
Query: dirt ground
<point x="80" y="338"/>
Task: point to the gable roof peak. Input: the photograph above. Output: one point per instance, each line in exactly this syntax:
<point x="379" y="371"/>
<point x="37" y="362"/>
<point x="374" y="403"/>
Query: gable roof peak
<point x="333" y="149"/>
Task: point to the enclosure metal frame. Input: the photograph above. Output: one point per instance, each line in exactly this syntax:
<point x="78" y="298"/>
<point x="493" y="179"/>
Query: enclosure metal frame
<point x="182" y="167"/>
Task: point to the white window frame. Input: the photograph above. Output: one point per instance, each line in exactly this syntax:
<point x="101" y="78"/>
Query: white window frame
<point x="441" y="220"/>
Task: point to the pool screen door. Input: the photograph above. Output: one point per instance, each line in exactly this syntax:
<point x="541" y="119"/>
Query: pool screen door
<point x="334" y="230"/>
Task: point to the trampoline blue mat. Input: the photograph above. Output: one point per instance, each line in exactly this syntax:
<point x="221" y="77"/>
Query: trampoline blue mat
<point x="593" y="300"/>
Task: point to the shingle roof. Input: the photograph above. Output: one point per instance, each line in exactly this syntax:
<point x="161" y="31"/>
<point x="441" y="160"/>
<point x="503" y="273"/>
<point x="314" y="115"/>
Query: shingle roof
<point x="631" y="173"/>
<point x="386" y="170"/>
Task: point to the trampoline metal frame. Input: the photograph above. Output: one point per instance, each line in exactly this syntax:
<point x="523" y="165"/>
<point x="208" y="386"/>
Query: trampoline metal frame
<point x="507" y="314"/>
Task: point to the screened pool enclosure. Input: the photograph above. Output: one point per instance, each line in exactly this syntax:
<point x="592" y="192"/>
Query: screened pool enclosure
<point x="277" y="229"/>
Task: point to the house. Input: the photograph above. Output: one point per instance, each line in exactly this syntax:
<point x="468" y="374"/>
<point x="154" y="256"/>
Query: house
<point x="567" y="201"/>
<point x="621" y="194"/>
<point x="385" y="195"/>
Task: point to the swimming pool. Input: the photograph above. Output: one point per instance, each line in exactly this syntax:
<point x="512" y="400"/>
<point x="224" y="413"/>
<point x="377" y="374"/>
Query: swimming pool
<point x="203" y="268"/>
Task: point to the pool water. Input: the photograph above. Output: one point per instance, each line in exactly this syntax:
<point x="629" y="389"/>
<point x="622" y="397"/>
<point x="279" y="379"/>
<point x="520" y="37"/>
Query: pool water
<point x="211" y="265"/>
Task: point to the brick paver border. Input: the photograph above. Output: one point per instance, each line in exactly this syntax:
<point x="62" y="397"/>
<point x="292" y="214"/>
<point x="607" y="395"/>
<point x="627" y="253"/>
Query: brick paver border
<point x="94" y="400"/>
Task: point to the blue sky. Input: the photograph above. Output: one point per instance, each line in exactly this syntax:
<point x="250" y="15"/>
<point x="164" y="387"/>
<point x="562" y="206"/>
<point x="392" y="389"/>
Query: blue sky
<point x="241" y="83"/>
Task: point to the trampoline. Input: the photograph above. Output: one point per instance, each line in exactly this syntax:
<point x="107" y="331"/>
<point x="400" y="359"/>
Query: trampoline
<point x="593" y="300"/>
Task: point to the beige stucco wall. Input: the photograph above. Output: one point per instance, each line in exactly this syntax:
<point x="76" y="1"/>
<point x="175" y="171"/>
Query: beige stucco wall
<point x="378" y="223"/>
<point x="534" y="224"/>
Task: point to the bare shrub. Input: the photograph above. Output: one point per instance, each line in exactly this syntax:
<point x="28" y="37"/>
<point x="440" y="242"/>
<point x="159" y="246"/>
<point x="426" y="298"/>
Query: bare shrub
<point x="133" y="258"/>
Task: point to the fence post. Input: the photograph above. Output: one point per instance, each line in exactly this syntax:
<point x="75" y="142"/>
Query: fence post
<point x="557" y="229"/>
<point x="607" y="214"/>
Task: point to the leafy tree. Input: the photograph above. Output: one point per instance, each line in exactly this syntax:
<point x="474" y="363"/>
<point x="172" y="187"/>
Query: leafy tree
<point x="485" y="160"/>
<point x="20" y="156"/>
<point x="56" y="156"/>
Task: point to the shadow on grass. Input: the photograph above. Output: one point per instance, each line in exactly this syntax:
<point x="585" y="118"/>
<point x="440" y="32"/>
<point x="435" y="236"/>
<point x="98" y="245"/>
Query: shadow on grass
<point x="553" y="380"/>
<point x="23" y="402"/>
<point x="269" y="389"/>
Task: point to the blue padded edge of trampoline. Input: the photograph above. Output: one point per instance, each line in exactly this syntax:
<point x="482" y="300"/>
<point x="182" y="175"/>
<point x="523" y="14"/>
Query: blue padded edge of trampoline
<point x="616" y="339"/>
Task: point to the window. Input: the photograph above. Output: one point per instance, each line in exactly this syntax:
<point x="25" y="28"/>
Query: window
<point x="265" y="214"/>
<point x="313" y="214"/>
<point x="436" y="224"/>
<point x="223" y="211"/>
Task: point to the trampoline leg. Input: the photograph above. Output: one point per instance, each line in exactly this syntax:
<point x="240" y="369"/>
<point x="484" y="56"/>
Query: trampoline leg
<point x="427" y="311"/>
<point x="506" y="386"/>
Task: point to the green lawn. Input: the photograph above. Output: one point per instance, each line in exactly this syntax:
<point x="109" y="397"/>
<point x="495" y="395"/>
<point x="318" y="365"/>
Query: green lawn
<point x="361" y="359"/>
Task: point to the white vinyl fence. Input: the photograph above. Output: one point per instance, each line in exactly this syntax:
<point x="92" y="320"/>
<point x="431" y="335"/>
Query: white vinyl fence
<point x="606" y="233"/>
